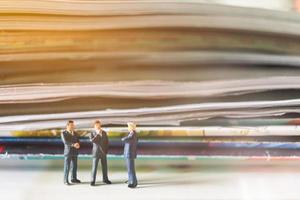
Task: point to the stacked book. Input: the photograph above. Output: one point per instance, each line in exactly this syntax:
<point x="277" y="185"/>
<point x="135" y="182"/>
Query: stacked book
<point x="198" y="79"/>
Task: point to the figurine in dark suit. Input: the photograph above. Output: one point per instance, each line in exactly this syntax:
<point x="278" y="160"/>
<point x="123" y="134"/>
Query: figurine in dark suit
<point x="71" y="143"/>
<point x="100" y="148"/>
<point x="130" y="153"/>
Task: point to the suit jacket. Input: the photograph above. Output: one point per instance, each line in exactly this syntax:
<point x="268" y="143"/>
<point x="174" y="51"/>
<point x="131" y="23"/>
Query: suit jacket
<point x="68" y="140"/>
<point x="100" y="144"/>
<point x="130" y="147"/>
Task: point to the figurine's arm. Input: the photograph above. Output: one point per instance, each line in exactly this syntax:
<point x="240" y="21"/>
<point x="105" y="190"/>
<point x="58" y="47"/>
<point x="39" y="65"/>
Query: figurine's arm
<point x="65" y="141"/>
<point x="93" y="138"/>
<point x="127" y="137"/>
<point x="106" y="142"/>
<point x="77" y="145"/>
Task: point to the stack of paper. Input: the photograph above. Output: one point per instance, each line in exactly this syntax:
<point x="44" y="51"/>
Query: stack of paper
<point x="197" y="78"/>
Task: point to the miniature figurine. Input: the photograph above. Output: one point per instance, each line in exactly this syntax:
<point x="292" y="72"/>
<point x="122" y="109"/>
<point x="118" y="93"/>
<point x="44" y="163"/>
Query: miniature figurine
<point x="71" y="143"/>
<point x="100" y="148"/>
<point x="130" y="152"/>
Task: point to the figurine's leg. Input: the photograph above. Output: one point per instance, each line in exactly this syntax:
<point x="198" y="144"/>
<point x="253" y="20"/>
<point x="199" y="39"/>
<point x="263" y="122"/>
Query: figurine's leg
<point x="74" y="167"/>
<point x="128" y="164"/>
<point x="104" y="168"/>
<point x="94" y="169"/>
<point x="134" y="180"/>
<point x="67" y="162"/>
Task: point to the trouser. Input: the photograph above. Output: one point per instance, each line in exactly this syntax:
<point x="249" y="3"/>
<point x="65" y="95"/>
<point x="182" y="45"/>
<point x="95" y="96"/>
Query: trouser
<point x="70" y="161"/>
<point x="103" y="166"/>
<point x="131" y="171"/>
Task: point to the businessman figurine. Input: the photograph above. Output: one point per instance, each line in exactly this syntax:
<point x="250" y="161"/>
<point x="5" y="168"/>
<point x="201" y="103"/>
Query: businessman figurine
<point x="100" y="147"/>
<point x="71" y="143"/>
<point x="130" y="153"/>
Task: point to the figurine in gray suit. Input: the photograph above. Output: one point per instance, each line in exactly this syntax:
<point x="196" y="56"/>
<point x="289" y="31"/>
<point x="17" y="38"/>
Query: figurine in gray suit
<point x="100" y="148"/>
<point x="130" y="153"/>
<point x="71" y="143"/>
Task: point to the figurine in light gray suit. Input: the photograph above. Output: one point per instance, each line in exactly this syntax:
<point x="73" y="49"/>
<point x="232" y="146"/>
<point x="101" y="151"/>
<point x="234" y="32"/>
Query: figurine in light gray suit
<point x="71" y="143"/>
<point x="100" y="148"/>
<point x="130" y="152"/>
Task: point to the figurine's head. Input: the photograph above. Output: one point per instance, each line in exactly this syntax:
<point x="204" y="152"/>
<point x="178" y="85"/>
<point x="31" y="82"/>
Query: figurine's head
<point x="131" y="126"/>
<point x="97" y="124"/>
<point x="70" y="125"/>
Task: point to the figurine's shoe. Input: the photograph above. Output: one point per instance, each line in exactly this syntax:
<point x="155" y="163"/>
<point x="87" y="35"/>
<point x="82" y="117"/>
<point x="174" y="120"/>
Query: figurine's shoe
<point x="92" y="183"/>
<point x="107" y="181"/>
<point x="75" y="181"/>
<point x="126" y="181"/>
<point x="67" y="183"/>
<point x="132" y="185"/>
